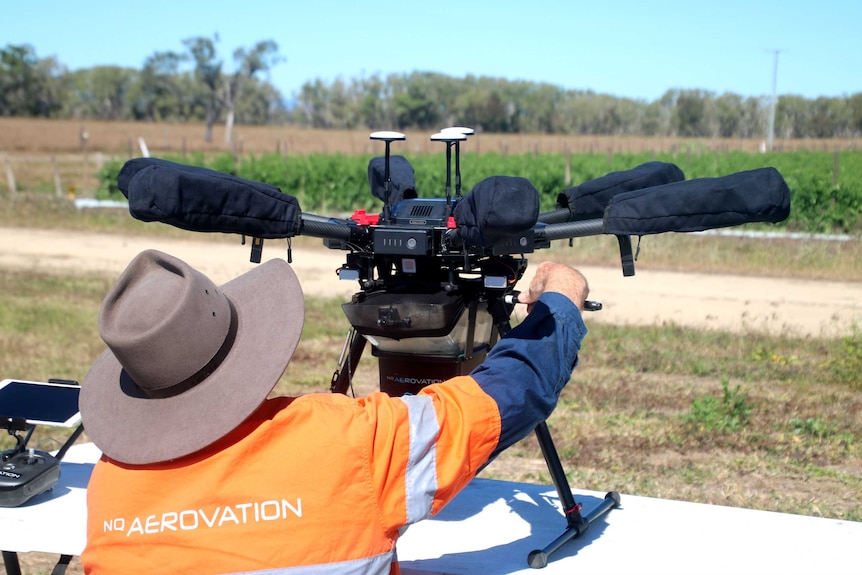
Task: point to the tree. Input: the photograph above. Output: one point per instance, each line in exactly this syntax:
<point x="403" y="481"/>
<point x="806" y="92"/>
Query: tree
<point x="855" y="107"/>
<point x="159" y="92"/>
<point x="102" y="92"/>
<point x="539" y="109"/>
<point x="110" y="87"/>
<point x="223" y="91"/>
<point x="413" y="107"/>
<point x="487" y="104"/>
<point x="691" y="113"/>
<point x="262" y="57"/>
<point x="29" y="86"/>
<point x="193" y="85"/>
<point x="261" y="104"/>
<point x="313" y="102"/>
<point x="655" y="120"/>
<point x="791" y="116"/>
<point x="728" y="107"/>
<point x="209" y="75"/>
<point x="826" y="118"/>
<point x="371" y="94"/>
<point x="754" y="117"/>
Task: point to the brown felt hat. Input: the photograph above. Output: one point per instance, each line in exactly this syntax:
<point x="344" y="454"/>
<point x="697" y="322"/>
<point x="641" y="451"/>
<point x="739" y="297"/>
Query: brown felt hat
<point x="187" y="361"/>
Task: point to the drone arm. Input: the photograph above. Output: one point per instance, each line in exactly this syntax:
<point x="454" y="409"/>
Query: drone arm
<point x="316" y="227"/>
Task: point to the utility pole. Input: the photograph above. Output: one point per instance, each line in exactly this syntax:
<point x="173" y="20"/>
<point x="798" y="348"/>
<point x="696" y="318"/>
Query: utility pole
<point x="774" y="102"/>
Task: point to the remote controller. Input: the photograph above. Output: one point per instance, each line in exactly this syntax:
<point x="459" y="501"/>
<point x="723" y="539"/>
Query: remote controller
<point x="26" y="474"/>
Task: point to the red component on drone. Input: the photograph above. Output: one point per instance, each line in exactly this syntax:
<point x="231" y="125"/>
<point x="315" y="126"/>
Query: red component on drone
<point x="363" y="218"/>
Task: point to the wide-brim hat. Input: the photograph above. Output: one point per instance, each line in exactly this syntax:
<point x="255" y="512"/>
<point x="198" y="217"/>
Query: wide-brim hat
<point x="187" y="361"/>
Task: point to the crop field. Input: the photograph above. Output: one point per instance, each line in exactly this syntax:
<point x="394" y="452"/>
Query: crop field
<point x="64" y="156"/>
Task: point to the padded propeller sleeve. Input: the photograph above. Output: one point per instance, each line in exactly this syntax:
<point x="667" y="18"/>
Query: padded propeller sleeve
<point x="589" y="200"/>
<point x="497" y="208"/>
<point x="759" y="195"/>
<point x="204" y="200"/>
<point x="400" y="173"/>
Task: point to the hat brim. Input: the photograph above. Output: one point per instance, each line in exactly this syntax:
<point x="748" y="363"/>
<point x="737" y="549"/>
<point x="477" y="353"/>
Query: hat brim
<point x="132" y="428"/>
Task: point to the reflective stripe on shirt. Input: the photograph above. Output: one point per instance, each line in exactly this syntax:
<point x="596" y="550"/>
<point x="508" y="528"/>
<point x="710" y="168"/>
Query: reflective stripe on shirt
<point x="378" y="565"/>
<point x="421" y="476"/>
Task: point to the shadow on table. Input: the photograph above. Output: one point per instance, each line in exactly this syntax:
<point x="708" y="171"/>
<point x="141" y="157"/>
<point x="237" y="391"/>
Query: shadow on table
<point x="72" y="476"/>
<point x="536" y="505"/>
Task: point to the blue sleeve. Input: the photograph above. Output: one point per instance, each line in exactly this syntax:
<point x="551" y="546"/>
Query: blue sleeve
<point x="527" y="369"/>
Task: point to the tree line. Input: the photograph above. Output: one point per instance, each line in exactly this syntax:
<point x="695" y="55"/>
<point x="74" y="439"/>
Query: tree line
<point x="195" y="85"/>
<point x="190" y="86"/>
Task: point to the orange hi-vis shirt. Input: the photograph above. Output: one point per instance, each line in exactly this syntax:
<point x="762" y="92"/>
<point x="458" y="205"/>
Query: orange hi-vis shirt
<point x="317" y="484"/>
<point x="325" y="483"/>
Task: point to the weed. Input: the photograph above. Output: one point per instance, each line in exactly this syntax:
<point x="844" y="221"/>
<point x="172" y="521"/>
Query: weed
<point x="731" y="412"/>
<point x="846" y="365"/>
<point x="811" y="426"/>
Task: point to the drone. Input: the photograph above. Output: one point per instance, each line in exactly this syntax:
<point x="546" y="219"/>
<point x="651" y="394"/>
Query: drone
<point x="437" y="276"/>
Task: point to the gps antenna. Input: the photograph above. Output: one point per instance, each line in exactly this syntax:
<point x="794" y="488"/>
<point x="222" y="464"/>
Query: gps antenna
<point x="387" y="137"/>
<point x="466" y="132"/>
<point x="449" y="138"/>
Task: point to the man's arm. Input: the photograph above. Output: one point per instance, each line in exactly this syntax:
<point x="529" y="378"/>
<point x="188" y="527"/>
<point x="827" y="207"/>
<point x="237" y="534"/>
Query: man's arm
<point x="427" y="447"/>
<point x="526" y="370"/>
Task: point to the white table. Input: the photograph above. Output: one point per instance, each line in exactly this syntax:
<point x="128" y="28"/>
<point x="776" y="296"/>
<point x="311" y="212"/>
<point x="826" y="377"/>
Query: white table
<point x="491" y="527"/>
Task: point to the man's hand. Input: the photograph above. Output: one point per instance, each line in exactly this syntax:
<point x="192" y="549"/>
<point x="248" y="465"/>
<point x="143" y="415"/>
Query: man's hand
<point x="560" y="278"/>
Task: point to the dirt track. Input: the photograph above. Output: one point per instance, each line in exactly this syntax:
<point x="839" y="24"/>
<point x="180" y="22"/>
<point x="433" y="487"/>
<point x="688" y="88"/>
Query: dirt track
<point x="696" y="300"/>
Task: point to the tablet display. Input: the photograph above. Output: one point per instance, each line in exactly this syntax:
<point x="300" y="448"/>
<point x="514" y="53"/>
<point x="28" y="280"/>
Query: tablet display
<point x="40" y="403"/>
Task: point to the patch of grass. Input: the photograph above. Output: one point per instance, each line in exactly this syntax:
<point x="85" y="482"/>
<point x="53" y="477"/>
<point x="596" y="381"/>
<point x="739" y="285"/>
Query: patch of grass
<point x="799" y="452"/>
<point x="642" y="415"/>
<point x="751" y="356"/>
<point x="48" y="324"/>
<point x="324" y="318"/>
<point x="726" y="414"/>
<point x="846" y="365"/>
<point x="811" y="426"/>
<point x="682" y="252"/>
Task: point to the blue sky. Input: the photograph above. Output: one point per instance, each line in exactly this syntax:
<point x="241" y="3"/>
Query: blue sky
<point x="627" y="48"/>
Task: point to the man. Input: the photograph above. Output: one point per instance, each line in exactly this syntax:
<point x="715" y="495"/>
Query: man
<point x="202" y="474"/>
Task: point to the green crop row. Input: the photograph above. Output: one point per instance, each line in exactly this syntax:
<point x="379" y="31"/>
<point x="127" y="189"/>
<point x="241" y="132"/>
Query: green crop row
<point x="826" y="188"/>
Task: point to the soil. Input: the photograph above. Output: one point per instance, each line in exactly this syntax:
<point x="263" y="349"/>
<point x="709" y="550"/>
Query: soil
<point x="787" y="306"/>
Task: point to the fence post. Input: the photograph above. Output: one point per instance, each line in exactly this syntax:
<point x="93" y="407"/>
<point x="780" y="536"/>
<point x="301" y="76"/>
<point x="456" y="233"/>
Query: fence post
<point x="835" y="170"/>
<point x="58" y="186"/>
<point x="10" y="177"/>
<point x="84" y="170"/>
